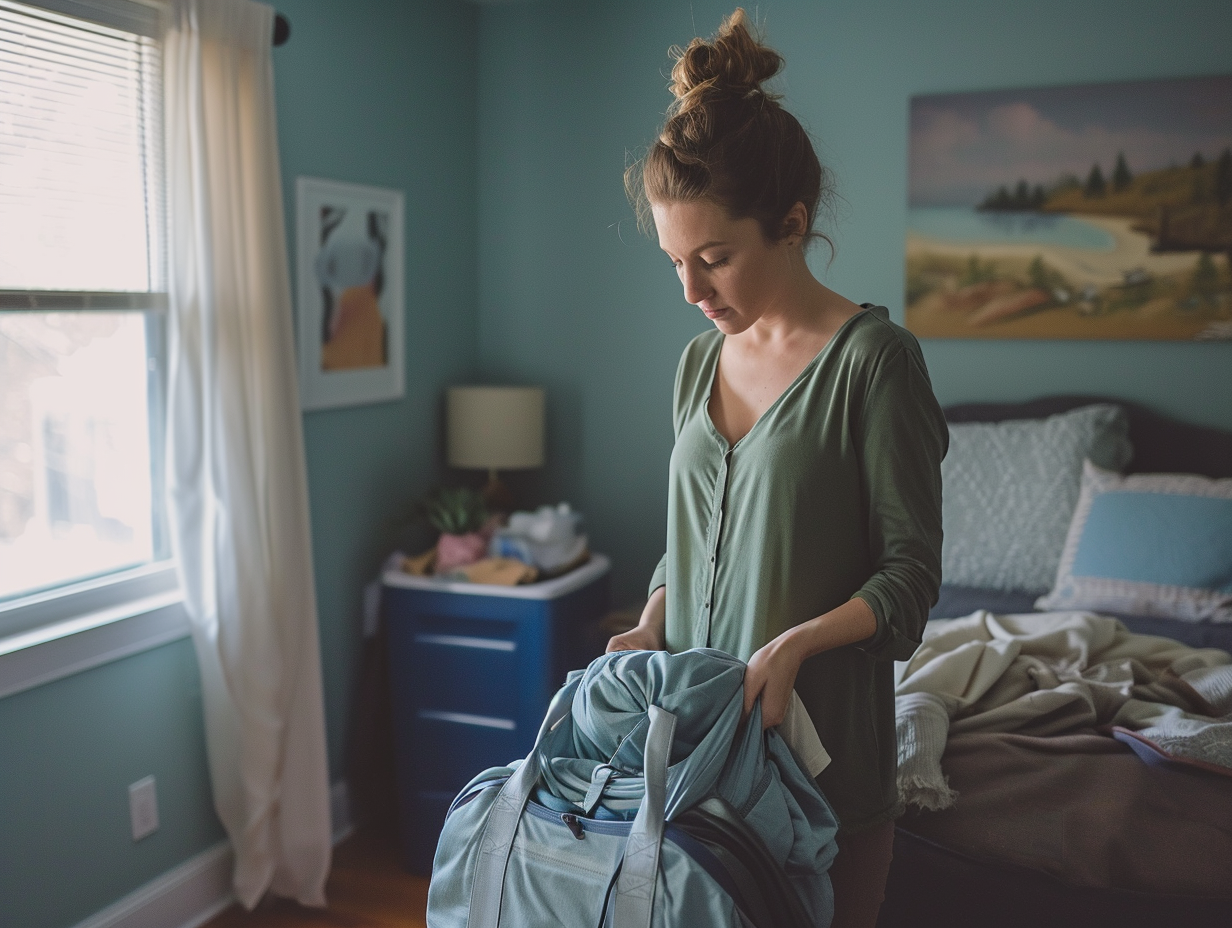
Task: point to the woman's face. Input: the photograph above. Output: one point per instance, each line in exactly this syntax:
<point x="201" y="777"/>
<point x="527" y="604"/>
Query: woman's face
<point x="728" y="268"/>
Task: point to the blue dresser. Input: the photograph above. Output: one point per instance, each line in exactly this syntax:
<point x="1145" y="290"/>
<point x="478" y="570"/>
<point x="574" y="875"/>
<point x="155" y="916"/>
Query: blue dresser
<point x="472" y="668"/>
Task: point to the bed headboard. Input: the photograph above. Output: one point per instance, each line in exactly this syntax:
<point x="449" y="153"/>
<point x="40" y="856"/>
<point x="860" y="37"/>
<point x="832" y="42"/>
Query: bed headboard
<point x="1161" y="444"/>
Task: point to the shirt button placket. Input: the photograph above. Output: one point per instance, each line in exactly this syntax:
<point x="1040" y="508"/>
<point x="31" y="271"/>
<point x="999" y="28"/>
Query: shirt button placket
<point x="716" y="527"/>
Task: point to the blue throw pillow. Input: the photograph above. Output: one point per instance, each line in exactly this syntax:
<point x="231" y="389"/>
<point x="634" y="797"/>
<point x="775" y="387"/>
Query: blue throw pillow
<point x="1148" y="544"/>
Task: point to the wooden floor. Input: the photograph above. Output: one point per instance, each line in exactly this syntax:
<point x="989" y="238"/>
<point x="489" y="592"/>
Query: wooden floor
<point x="367" y="888"/>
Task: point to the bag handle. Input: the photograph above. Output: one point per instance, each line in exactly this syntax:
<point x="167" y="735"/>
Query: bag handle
<point x="634" y="897"/>
<point x="497" y="840"/>
<point x="634" y="901"/>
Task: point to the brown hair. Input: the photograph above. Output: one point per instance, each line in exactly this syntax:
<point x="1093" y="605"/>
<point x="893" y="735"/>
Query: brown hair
<point x="727" y="140"/>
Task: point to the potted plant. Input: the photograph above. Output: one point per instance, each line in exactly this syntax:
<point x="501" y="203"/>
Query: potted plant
<point x="461" y="516"/>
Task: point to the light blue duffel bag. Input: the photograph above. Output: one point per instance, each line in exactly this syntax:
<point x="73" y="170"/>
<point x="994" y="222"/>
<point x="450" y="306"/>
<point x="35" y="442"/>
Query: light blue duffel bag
<point x="644" y="803"/>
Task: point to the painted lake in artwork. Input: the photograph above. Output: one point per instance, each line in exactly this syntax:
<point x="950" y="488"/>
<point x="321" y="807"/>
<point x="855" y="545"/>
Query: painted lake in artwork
<point x="967" y="226"/>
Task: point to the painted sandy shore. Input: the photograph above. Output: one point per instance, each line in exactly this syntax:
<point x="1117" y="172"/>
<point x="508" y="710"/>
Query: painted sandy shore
<point x="1095" y="301"/>
<point x="1083" y="266"/>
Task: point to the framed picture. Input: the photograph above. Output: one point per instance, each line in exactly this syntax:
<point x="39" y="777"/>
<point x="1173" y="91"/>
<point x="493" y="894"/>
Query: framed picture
<point x="1100" y="211"/>
<point x="350" y="293"/>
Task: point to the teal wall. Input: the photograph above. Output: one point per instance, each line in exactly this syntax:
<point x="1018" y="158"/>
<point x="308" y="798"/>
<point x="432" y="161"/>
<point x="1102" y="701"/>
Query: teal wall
<point x="571" y="297"/>
<point x="68" y="751"/>
<point x="383" y="94"/>
<point x="367" y="92"/>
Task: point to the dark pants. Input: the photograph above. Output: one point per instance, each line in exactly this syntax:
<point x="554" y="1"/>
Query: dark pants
<point x="859" y="875"/>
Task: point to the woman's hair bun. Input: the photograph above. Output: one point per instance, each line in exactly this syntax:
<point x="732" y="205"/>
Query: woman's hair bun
<point x="733" y="62"/>
<point x="728" y="140"/>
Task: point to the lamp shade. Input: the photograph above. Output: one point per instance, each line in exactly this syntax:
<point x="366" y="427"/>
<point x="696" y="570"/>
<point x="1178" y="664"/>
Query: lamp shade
<point x="495" y="428"/>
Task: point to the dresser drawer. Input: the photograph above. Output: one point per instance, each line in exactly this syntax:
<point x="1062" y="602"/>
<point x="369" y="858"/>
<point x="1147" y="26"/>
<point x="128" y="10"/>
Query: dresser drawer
<point x="462" y="673"/>
<point x="450" y="748"/>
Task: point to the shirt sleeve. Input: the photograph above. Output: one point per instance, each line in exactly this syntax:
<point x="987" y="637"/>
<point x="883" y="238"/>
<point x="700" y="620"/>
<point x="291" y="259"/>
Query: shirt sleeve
<point x="903" y="437"/>
<point x="679" y="410"/>
<point x="659" y="577"/>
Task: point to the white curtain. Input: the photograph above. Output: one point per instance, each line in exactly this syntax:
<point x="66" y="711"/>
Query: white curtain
<point x="236" y="471"/>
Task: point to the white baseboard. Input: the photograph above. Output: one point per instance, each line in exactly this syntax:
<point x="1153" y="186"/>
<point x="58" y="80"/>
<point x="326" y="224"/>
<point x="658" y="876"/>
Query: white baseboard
<point x="185" y="897"/>
<point x="191" y="894"/>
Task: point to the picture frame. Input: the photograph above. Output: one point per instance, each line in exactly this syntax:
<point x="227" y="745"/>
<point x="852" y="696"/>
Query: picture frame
<point x="1087" y="211"/>
<point x="350" y="299"/>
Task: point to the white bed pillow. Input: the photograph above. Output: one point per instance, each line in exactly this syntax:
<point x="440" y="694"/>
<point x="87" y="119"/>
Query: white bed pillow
<point x="1009" y="490"/>
<point x="1148" y="544"/>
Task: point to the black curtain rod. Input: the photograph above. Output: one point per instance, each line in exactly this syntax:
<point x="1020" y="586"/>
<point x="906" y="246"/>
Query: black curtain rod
<point x="282" y="29"/>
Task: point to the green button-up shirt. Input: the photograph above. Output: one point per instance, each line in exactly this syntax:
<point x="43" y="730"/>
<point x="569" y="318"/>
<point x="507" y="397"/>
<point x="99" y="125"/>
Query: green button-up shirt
<point x="835" y="492"/>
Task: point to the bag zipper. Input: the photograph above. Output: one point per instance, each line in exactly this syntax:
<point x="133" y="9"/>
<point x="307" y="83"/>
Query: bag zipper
<point x="581" y="823"/>
<point x="575" y="826"/>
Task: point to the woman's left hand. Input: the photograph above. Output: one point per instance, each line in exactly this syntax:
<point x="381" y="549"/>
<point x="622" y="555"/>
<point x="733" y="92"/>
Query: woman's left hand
<point x="771" y="674"/>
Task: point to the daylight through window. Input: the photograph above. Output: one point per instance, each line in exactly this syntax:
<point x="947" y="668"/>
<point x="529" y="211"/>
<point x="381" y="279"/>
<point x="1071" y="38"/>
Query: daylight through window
<point x="81" y="292"/>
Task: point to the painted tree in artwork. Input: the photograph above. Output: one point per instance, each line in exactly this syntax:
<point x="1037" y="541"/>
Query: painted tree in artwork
<point x="1095" y="186"/>
<point x="1205" y="278"/>
<point x="1037" y="274"/>
<point x="1121" y="176"/>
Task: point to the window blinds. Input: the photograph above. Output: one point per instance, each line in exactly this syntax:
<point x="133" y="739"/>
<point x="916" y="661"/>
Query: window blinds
<point x="81" y="202"/>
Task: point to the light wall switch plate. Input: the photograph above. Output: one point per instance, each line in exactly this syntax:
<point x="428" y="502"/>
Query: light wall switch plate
<point x="143" y="807"/>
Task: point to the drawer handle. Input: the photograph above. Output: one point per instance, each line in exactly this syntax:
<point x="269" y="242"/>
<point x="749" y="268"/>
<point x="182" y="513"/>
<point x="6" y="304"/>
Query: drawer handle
<point x="465" y="718"/>
<point x="466" y="641"/>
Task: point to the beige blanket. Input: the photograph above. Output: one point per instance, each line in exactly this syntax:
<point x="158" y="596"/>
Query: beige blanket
<point x="1051" y="673"/>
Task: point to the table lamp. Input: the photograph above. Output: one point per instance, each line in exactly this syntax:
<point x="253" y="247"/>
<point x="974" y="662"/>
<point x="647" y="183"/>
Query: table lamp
<point x="494" y="429"/>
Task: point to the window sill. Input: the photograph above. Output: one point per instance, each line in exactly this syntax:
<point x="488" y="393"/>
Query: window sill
<point x="61" y="649"/>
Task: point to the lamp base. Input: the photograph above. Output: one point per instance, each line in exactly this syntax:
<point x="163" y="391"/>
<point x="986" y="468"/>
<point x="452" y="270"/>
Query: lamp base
<point x="496" y="494"/>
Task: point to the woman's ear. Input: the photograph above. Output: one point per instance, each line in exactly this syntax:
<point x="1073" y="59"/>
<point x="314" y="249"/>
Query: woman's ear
<point x="795" y="224"/>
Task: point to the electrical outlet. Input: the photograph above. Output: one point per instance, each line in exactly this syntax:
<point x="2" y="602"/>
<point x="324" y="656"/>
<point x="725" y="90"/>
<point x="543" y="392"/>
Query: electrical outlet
<point x="143" y="807"/>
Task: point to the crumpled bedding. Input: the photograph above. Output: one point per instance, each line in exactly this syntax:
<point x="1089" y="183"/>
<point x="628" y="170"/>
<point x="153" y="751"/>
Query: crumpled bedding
<point x="1056" y="673"/>
<point x="1087" y="812"/>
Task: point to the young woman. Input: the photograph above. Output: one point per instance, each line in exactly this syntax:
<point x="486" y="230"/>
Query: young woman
<point x="804" y="508"/>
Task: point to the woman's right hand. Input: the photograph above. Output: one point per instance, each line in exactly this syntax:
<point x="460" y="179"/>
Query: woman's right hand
<point x="648" y="634"/>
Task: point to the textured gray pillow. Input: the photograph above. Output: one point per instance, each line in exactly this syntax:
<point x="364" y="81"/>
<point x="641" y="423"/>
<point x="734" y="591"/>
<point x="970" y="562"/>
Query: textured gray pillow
<point x="1009" y="492"/>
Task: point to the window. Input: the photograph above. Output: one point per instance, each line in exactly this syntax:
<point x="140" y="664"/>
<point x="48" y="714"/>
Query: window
<point x="82" y="295"/>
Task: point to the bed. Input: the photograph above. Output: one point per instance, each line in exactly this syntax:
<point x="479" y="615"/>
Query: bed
<point x="1060" y="824"/>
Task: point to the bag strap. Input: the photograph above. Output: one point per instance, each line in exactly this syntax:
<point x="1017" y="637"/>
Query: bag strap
<point x="599" y="780"/>
<point x="497" y="839"/>
<point x="634" y="900"/>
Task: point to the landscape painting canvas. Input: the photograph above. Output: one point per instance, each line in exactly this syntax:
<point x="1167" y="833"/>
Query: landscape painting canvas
<point x="1095" y="211"/>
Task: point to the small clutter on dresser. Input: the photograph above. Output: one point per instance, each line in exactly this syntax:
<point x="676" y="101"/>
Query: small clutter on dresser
<point x="478" y="546"/>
